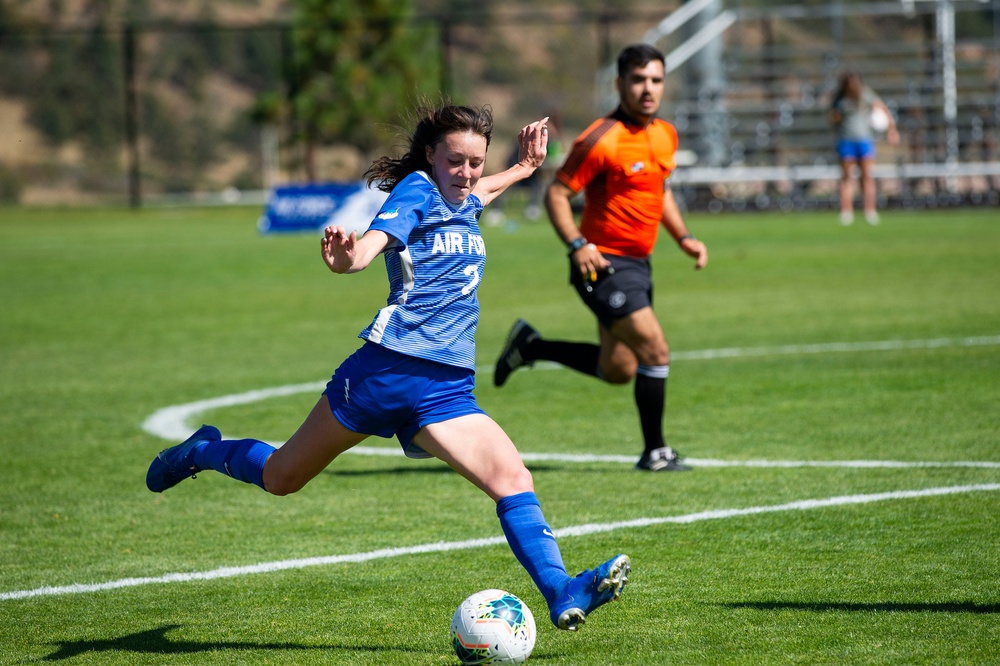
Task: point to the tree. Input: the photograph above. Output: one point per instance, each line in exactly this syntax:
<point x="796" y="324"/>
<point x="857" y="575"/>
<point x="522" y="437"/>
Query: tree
<point x="357" y="65"/>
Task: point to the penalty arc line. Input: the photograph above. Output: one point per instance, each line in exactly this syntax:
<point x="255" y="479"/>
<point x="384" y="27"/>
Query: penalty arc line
<point x="173" y="423"/>
<point x="447" y="546"/>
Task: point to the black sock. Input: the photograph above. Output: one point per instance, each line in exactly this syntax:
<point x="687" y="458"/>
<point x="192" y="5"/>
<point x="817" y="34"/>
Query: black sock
<point x="579" y="356"/>
<point x="650" y="398"/>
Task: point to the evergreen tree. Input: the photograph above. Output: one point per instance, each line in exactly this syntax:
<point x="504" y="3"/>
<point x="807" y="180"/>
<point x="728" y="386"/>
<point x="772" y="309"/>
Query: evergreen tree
<point x="359" y="64"/>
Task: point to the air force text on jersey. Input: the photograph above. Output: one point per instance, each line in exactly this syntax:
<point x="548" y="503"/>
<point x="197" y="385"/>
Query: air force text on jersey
<point x="453" y="242"/>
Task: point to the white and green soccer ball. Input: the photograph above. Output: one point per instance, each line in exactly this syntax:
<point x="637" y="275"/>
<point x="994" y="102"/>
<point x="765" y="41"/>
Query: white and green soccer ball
<point x="493" y="627"/>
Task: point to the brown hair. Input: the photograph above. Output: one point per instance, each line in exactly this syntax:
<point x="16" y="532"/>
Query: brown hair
<point x="434" y="124"/>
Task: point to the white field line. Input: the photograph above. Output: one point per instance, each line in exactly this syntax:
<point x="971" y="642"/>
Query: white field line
<point x="396" y="451"/>
<point x="177" y="422"/>
<point x="447" y="546"/>
<point x="713" y="462"/>
<point x="171" y="423"/>
<point x="833" y="347"/>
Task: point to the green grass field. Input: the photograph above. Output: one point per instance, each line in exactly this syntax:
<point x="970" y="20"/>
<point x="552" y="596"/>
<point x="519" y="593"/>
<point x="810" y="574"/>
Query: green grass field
<point x="110" y="316"/>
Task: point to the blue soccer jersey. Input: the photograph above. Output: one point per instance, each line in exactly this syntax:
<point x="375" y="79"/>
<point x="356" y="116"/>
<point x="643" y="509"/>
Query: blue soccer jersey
<point x="435" y="260"/>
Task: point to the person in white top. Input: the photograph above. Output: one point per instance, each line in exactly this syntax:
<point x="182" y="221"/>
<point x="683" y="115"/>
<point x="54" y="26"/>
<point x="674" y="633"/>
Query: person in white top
<point x="856" y="114"/>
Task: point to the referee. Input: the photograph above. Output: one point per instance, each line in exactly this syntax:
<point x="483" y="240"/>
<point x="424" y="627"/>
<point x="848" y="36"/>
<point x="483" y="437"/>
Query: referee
<point x="622" y="162"/>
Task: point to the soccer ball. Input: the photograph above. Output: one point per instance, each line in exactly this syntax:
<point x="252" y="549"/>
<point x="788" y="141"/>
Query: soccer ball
<point x="493" y="627"/>
<point x="879" y="120"/>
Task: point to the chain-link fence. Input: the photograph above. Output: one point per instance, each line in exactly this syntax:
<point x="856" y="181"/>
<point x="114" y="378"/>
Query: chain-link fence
<point x="113" y="115"/>
<point x="164" y="112"/>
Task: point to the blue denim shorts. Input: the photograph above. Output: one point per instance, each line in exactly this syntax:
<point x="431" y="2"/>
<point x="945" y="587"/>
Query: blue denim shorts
<point x="380" y="392"/>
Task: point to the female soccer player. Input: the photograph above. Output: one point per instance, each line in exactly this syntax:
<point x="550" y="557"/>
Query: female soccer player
<point x="414" y="376"/>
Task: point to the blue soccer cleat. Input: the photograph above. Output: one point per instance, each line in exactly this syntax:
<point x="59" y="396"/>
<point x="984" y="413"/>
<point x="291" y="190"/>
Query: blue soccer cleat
<point x="589" y="591"/>
<point x="175" y="464"/>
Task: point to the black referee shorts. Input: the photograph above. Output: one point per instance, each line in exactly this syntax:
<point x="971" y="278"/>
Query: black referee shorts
<point x="618" y="292"/>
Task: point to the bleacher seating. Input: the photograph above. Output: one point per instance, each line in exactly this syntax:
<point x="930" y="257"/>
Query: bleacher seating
<point x="777" y="139"/>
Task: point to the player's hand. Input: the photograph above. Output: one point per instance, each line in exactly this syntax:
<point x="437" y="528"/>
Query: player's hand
<point x="695" y="248"/>
<point x="533" y="141"/>
<point x="589" y="261"/>
<point x="338" y="248"/>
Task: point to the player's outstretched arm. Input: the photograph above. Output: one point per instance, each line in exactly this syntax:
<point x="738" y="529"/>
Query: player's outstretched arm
<point x="346" y="253"/>
<point x="532" y="141"/>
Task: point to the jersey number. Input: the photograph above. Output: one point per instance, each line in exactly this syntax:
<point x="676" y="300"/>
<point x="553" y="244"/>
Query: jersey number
<point x="472" y="272"/>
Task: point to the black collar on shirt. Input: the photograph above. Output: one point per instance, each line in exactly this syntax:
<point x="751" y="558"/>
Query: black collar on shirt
<point x="620" y="115"/>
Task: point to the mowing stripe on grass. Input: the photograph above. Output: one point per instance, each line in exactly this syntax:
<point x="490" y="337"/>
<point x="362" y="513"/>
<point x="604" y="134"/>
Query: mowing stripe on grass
<point x="578" y="530"/>
<point x="175" y="423"/>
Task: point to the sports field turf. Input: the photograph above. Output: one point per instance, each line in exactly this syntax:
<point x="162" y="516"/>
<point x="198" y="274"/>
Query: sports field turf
<point x="836" y="389"/>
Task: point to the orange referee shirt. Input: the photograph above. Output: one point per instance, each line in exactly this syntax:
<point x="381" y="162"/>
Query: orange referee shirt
<point x="623" y="167"/>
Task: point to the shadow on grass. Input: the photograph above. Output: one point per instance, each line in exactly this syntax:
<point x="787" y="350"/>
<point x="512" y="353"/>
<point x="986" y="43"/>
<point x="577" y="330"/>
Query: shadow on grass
<point x="885" y="607"/>
<point x="154" y="642"/>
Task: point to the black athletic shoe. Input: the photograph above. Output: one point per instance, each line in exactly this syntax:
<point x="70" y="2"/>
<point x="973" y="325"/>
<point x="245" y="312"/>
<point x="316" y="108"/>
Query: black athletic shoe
<point x="512" y="356"/>
<point x="661" y="460"/>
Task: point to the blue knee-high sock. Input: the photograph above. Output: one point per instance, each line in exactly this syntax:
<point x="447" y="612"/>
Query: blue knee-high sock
<point x="533" y="543"/>
<point x="242" y="459"/>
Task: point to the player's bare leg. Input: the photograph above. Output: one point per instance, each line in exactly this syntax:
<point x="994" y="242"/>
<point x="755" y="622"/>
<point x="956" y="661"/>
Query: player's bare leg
<point x="312" y="448"/>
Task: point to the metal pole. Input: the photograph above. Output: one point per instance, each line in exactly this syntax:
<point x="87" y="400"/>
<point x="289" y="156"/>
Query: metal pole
<point x="712" y="89"/>
<point x="946" y="35"/>
<point x="131" y="120"/>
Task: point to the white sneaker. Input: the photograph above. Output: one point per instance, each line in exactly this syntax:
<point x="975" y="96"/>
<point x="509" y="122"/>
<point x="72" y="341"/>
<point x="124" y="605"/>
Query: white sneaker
<point x="871" y="218"/>
<point x="846" y="217"/>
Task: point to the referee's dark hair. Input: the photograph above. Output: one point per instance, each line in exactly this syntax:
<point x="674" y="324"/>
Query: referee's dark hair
<point x="637" y="55"/>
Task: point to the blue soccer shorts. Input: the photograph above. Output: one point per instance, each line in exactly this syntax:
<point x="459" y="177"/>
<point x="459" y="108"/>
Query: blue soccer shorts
<point x="856" y="149"/>
<point x="377" y="391"/>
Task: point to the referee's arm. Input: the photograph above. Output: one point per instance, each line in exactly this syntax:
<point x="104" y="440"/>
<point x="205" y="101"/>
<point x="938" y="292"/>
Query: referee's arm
<point x="586" y="257"/>
<point x="673" y="222"/>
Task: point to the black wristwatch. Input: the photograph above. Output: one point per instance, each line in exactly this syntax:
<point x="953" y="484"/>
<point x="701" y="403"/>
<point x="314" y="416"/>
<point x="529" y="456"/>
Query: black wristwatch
<point x="576" y="244"/>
